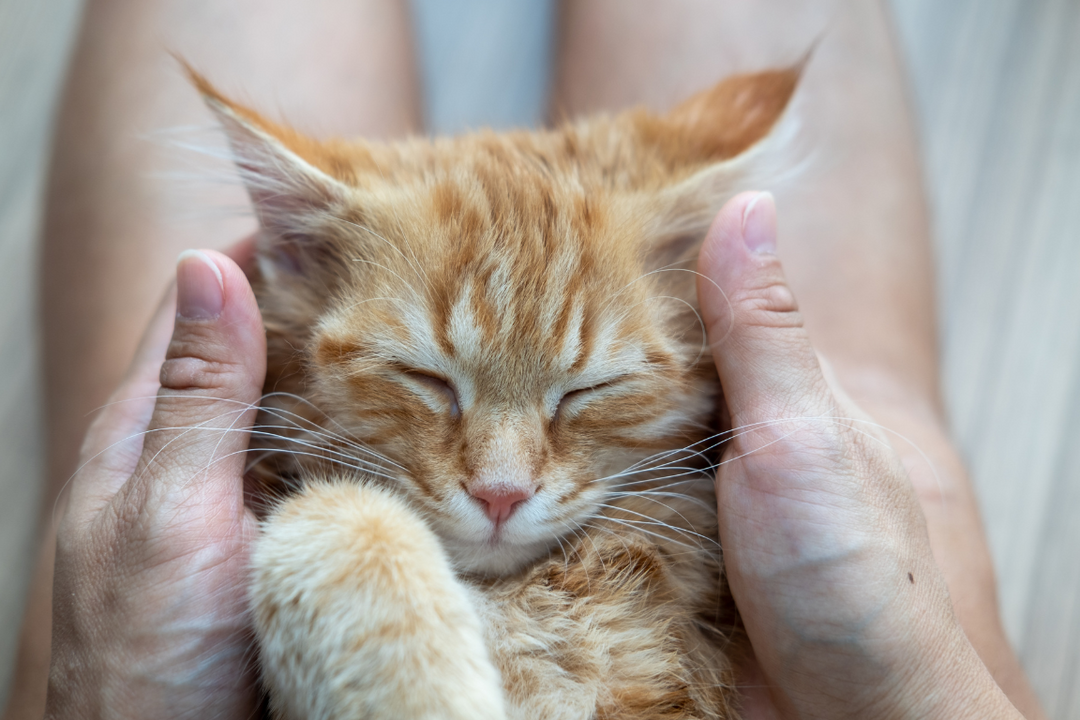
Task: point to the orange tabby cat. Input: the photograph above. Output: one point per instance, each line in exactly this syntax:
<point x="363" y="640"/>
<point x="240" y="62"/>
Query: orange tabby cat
<point x="490" y="415"/>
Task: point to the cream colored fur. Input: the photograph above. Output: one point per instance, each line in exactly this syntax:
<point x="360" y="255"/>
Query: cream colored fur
<point x="359" y="614"/>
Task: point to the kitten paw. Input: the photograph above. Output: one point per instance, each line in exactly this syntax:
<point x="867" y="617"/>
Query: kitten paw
<point x="359" y="615"/>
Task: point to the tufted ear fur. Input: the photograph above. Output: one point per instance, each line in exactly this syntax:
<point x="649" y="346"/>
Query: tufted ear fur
<point x="298" y="186"/>
<point x="715" y="142"/>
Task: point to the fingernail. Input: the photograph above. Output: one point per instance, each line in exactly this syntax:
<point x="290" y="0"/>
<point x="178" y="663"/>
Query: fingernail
<point x="200" y="293"/>
<point x="759" y="224"/>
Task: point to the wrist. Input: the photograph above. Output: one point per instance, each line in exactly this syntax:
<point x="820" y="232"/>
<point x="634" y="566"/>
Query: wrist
<point x="951" y="682"/>
<point x="916" y="426"/>
<point x="935" y="671"/>
<point x="866" y="629"/>
<point x="929" y="672"/>
<point x="957" y="538"/>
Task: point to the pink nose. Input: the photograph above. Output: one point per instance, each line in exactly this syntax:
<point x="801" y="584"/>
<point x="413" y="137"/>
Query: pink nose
<point x="500" y="503"/>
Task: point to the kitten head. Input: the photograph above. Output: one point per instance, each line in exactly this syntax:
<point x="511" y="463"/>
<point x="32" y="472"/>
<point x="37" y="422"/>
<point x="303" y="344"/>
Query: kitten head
<point x="508" y="318"/>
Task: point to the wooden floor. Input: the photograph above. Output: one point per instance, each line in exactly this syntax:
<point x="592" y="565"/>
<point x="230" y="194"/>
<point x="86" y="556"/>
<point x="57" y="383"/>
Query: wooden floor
<point x="997" y="86"/>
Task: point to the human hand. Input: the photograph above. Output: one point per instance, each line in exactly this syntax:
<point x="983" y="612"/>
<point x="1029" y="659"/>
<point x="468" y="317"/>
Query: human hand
<point x="824" y="542"/>
<point x="150" y="611"/>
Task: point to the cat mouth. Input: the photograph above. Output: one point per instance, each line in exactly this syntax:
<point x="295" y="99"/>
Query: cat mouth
<point x="500" y="538"/>
<point x="498" y="553"/>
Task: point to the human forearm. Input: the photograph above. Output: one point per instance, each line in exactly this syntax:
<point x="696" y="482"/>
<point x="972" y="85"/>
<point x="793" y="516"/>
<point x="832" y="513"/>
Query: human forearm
<point x="825" y="542"/>
<point x="957" y="537"/>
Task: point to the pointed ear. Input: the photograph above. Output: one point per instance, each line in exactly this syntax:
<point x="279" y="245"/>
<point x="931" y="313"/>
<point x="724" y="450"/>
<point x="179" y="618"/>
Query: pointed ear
<point x="728" y="119"/>
<point x="296" y="184"/>
<point x="715" y="141"/>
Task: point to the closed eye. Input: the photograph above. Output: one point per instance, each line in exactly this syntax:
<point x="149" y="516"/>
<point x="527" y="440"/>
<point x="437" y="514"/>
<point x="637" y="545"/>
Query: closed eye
<point x="437" y="385"/>
<point x="582" y="393"/>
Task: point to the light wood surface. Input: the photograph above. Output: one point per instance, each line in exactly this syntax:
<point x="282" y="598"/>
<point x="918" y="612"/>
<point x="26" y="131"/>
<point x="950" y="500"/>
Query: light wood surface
<point x="35" y="38"/>
<point x="997" y="84"/>
<point x="997" y="87"/>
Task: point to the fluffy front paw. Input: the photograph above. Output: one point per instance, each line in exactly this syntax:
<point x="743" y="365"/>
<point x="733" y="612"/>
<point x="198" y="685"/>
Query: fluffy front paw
<point x="359" y="615"/>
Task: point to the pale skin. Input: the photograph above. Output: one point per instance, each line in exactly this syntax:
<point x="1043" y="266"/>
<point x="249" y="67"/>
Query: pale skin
<point x="825" y="543"/>
<point x="857" y="231"/>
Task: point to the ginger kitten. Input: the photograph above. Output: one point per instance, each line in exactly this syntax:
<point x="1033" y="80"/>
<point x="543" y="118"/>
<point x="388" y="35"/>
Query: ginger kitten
<point x="490" y="415"/>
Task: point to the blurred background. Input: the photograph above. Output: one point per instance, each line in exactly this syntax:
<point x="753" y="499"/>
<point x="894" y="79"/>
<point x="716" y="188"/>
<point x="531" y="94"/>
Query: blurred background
<point x="996" y="86"/>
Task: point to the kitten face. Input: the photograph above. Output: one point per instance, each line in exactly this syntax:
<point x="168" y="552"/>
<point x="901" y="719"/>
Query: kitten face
<point x="511" y="369"/>
<point x="509" y="319"/>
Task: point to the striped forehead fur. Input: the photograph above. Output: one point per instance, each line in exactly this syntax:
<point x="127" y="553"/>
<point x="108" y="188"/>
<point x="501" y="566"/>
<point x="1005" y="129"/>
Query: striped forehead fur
<point x="492" y="342"/>
<point x="543" y="278"/>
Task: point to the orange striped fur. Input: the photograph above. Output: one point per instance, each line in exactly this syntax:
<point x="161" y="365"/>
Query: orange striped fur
<point x="488" y="386"/>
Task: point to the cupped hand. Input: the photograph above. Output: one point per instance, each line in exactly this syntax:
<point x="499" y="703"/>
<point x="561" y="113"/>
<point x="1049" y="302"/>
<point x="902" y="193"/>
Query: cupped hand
<point x="824" y="542"/>
<point x="150" y="610"/>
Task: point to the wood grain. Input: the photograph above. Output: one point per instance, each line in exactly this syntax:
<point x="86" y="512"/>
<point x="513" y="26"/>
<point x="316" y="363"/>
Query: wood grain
<point x="997" y="84"/>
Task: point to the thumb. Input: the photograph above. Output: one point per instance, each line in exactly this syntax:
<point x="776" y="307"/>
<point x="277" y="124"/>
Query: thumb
<point x="767" y="367"/>
<point x="211" y="380"/>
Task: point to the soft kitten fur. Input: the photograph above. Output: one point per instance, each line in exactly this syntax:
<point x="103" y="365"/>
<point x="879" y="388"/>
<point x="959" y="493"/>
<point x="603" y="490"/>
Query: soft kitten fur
<point x="495" y="337"/>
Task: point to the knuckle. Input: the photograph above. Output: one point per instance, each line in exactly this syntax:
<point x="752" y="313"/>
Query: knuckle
<point x="771" y="304"/>
<point x="194" y="366"/>
<point x="189" y="373"/>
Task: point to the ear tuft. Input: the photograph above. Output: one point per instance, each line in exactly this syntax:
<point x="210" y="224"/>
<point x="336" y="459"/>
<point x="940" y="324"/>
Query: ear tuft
<point x="206" y="89"/>
<point x="714" y="141"/>
<point x="295" y="183"/>
<point x="730" y="118"/>
<point x="318" y="155"/>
